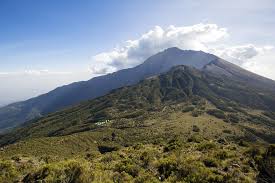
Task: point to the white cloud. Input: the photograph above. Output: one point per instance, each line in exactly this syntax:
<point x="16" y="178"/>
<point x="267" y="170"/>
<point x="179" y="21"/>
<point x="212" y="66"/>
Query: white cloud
<point x="262" y="64"/>
<point x="133" y="52"/>
<point x="260" y="60"/>
<point x="243" y="54"/>
<point x="24" y="84"/>
<point x="205" y="37"/>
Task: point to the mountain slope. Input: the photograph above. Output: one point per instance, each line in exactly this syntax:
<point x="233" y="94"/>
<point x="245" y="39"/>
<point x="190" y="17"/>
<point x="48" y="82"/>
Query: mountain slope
<point x="186" y="125"/>
<point x="72" y="94"/>
<point x="61" y="97"/>
<point x="179" y="85"/>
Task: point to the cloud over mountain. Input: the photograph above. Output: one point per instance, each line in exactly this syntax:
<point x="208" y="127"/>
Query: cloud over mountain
<point x="205" y="37"/>
<point x="240" y="55"/>
<point x="133" y="52"/>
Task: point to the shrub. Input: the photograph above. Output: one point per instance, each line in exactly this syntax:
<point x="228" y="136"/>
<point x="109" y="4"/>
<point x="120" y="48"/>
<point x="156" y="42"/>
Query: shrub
<point x="225" y="107"/>
<point x="76" y="171"/>
<point x="196" y="128"/>
<point x="255" y="152"/>
<point x="104" y="149"/>
<point x="107" y="158"/>
<point x="197" y="113"/>
<point x="196" y="101"/>
<point x="217" y="113"/>
<point x="172" y="144"/>
<point x="222" y="141"/>
<point x="145" y="158"/>
<point x="259" y="119"/>
<point x="227" y="131"/>
<point x="243" y="143"/>
<point x="188" y="109"/>
<point x="101" y="115"/>
<point x="118" y="177"/>
<point x="206" y="146"/>
<point x="146" y="178"/>
<point x="129" y="167"/>
<point x="240" y="110"/>
<point x="233" y="118"/>
<point x="210" y="162"/>
<point x="195" y="138"/>
<point x="271" y="150"/>
<point x="271" y="115"/>
<point x="90" y="156"/>
<point x="222" y="155"/>
<point x="167" y="166"/>
<point x="7" y="172"/>
<point x="133" y="114"/>
<point x="193" y="172"/>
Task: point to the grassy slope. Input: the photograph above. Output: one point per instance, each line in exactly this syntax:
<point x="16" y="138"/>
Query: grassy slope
<point x="170" y="162"/>
<point x="153" y="128"/>
<point x="173" y="151"/>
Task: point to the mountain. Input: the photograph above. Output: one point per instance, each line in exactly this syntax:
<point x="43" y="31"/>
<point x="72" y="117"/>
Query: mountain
<point x="62" y="97"/>
<point x="188" y="124"/>
<point x="180" y="84"/>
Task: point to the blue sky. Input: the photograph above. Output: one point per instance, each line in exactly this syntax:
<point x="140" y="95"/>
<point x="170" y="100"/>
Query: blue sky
<point x="65" y="35"/>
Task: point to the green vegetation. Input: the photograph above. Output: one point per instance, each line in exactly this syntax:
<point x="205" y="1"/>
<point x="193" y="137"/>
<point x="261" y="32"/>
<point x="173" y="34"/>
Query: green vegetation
<point x="196" y="128"/>
<point x="217" y="113"/>
<point x="162" y="146"/>
<point x="190" y="162"/>
<point x="269" y="114"/>
<point x="171" y="128"/>
<point x="188" y="109"/>
<point x="233" y="118"/>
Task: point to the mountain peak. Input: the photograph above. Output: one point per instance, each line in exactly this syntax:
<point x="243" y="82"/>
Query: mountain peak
<point x="173" y="49"/>
<point x="178" y="50"/>
<point x="157" y="64"/>
<point x="174" y="56"/>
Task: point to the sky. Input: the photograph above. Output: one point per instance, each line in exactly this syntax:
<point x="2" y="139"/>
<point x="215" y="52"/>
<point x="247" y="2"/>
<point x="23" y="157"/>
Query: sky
<point x="46" y="44"/>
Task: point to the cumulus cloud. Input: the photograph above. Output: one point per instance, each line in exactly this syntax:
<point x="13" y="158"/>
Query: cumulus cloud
<point x="243" y="54"/>
<point x="262" y="64"/>
<point x="133" y="52"/>
<point x="205" y="37"/>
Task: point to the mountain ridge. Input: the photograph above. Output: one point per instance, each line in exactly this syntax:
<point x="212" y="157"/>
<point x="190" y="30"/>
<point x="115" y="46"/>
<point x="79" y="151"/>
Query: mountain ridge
<point x="216" y="125"/>
<point x="74" y="93"/>
<point x="179" y="84"/>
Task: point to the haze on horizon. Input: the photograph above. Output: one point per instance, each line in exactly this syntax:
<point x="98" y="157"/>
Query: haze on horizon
<point x="47" y="44"/>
